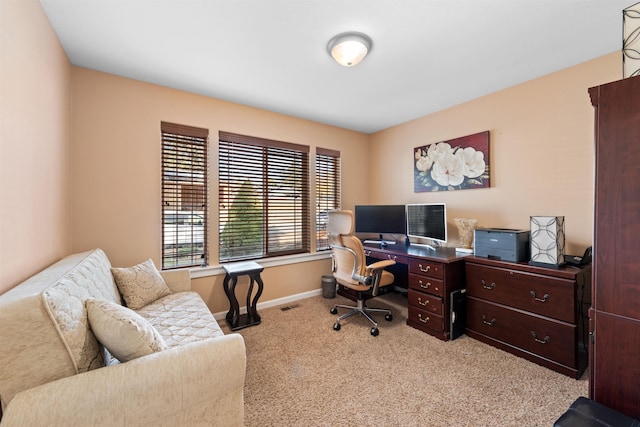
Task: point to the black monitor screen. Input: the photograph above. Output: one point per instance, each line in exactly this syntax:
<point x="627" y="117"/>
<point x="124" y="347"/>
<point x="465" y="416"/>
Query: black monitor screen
<point x="388" y="219"/>
<point x="428" y="221"/>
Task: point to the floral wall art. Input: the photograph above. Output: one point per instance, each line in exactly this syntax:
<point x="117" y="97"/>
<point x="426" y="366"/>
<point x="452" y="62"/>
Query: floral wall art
<point x="458" y="164"/>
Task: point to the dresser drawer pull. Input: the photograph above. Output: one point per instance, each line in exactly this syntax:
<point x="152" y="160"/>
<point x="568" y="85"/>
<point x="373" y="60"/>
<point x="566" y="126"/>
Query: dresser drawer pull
<point x="393" y="258"/>
<point x="367" y="253"/>
<point x="425" y="303"/>
<point x="424" y="270"/>
<point x="544" y="298"/>
<point x="545" y="340"/>
<point x="422" y="285"/>
<point x="425" y="320"/>
<point x="489" y="287"/>
<point x="488" y="322"/>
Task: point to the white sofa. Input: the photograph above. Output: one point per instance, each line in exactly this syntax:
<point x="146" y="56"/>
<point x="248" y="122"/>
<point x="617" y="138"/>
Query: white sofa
<point x="53" y="370"/>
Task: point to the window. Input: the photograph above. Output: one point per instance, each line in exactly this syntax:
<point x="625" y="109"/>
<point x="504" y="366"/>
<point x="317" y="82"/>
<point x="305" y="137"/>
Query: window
<point x="184" y="196"/>
<point x="327" y="192"/>
<point x="264" y="197"/>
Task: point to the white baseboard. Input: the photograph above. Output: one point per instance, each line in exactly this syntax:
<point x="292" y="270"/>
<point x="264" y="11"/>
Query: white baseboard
<point x="274" y="302"/>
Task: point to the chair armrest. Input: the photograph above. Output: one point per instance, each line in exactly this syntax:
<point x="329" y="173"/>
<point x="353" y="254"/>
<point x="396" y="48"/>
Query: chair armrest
<point x="177" y="280"/>
<point x="380" y="265"/>
<point x="200" y="383"/>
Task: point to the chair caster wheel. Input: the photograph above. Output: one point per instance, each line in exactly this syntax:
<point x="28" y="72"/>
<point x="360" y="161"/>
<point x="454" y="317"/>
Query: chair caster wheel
<point x="375" y="332"/>
<point x="388" y="317"/>
<point x="336" y="326"/>
<point x="333" y="310"/>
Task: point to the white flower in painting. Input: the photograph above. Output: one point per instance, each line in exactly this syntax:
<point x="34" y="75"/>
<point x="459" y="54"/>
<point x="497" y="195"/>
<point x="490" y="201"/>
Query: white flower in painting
<point x="418" y="154"/>
<point x="448" y="170"/>
<point x="424" y="164"/>
<point x="472" y="161"/>
<point x="436" y="151"/>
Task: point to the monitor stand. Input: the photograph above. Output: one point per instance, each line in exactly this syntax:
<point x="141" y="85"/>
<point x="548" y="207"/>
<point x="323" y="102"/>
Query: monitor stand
<point x="383" y="243"/>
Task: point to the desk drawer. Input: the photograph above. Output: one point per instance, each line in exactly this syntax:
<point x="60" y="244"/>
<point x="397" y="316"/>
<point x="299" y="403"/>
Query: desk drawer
<point x="382" y="255"/>
<point x="425" y="320"/>
<point x="545" y="337"/>
<point x="425" y="302"/>
<point x="548" y="296"/>
<point x="426" y="284"/>
<point x="426" y="268"/>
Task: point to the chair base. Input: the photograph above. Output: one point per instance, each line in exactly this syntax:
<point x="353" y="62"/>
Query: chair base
<point x="360" y="309"/>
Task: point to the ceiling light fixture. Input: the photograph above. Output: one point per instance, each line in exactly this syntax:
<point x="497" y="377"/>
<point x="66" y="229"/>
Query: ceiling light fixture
<point x="349" y="48"/>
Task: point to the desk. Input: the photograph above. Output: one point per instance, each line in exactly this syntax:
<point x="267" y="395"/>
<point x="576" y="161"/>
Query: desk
<point x="234" y="318"/>
<point x="430" y="277"/>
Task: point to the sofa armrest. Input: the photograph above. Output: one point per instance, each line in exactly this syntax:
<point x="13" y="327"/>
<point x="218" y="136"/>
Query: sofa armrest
<point x="177" y="280"/>
<point x="200" y="383"/>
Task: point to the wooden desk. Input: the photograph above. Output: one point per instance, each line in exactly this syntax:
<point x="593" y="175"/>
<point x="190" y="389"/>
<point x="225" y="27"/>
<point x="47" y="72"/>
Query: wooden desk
<point x="430" y="276"/>
<point x="252" y="269"/>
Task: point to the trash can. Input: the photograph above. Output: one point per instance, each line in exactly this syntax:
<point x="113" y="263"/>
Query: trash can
<point x="328" y="286"/>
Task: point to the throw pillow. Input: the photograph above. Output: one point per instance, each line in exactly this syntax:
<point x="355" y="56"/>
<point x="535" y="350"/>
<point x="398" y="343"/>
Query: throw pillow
<point x="141" y="284"/>
<point x="125" y="333"/>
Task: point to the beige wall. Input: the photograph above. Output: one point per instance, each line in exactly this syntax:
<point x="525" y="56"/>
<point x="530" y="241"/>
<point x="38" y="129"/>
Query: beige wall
<point x="541" y="153"/>
<point x="35" y="219"/>
<point x="116" y="169"/>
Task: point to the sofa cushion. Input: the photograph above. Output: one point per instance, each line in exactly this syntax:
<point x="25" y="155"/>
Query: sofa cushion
<point x="123" y="332"/>
<point x="141" y="284"/>
<point x="44" y="333"/>
<point x="181" y="318"/>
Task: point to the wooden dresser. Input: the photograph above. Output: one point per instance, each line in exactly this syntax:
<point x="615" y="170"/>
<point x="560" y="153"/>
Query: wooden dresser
<point x="540" y="314"/>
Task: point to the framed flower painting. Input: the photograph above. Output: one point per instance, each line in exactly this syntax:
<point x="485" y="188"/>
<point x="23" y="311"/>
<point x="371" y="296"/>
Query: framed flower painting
<point x="457" y="164"/>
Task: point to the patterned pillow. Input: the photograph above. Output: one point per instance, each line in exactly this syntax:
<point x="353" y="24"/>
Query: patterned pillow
<point x="140" y="285"/>
<point x="122" y="331"/>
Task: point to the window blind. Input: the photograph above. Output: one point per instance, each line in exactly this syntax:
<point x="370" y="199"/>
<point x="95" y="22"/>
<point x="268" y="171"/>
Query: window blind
<point x="264" y="197"/>
<point x="327" y="192"/>
<point x="184" y="196"/>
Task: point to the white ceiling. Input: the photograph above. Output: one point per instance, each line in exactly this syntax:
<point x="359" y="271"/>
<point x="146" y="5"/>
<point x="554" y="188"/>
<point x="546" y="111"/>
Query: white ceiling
<point x="427" y="55"/>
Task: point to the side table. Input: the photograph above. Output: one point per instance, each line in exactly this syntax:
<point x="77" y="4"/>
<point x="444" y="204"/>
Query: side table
<point x="252" y="269"/>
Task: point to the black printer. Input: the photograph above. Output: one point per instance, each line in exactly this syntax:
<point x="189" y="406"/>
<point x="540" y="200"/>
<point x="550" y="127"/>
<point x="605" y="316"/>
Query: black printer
<point x="504" y="244"/>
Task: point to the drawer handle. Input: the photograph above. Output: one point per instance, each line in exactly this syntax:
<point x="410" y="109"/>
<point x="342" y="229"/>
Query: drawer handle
<point x="488" y="322"/>
<point x="424" y="270"/>
<point x="425" y="320"/>
<point x="545" y="340"/>
<point x="425" y="303"/>
<point x="544" y="298"/>
<point x="394" y="257"/>
<point x="490" y="287"/>
<point x="423" y="285"/>
<point x="367" y="253"/>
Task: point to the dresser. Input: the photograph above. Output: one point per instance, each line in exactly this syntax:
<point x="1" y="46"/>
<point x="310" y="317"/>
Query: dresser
<point x="615" y="317"/>
<point x="540" y="314"/>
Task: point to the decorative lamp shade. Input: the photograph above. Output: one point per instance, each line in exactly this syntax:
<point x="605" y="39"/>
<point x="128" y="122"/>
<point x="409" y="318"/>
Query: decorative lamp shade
<point x="547" y="241"/>
<point x="631" y="41"/>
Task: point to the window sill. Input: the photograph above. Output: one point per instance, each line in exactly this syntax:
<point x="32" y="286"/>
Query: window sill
<point x="215" y="270"/>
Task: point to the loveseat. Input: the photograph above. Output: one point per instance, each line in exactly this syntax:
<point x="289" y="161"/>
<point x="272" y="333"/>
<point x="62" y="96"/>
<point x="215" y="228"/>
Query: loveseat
<point x="54" y="370"/>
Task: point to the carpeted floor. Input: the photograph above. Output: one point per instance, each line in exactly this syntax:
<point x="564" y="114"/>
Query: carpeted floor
<point x="300" y="372"/>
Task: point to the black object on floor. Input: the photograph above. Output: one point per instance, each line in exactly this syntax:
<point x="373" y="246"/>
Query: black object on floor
<point x="587" y="413"/>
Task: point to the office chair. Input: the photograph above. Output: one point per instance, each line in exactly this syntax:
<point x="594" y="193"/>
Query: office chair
<point x="350" y="269"/>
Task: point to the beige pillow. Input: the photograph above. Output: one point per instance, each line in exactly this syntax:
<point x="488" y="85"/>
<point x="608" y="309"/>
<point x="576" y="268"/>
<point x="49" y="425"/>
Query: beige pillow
<point x="122" y="331"/>
<point x="141" y="284"/>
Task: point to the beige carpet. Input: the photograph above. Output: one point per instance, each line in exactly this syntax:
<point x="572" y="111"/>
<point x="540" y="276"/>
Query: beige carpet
<point x="300" y="372"/>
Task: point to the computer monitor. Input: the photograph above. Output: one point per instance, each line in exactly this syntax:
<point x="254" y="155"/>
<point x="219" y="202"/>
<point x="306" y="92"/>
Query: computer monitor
<point x="380" y="219"/>
<point x="427" y="221"/>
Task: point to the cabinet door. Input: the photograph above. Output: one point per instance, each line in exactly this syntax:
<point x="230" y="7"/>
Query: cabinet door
<point x="617" y="198"/>
<point x="614" y="381"/>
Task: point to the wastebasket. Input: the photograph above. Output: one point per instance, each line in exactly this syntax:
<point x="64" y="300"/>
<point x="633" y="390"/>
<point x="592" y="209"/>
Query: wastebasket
<point x="328" y="286"/>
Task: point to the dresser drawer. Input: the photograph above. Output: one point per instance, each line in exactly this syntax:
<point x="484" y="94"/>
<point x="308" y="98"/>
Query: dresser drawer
<point x="548" y="296"/>
<point x="426" y="302"/>
<point x="426" y="268"/>
<point x="424" y="320"/>
<point x="426" y="284"/>
<point x="545" y="337"/>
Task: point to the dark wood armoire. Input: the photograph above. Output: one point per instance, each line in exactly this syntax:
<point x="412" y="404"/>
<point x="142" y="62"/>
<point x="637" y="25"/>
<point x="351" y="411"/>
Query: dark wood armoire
<point x="614" y="355"/>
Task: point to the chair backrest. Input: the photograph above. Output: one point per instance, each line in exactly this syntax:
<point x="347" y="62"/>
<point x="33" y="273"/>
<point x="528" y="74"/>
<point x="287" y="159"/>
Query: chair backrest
<point x="348" y="252"/>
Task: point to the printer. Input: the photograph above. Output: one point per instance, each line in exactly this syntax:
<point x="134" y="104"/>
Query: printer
<point x="504" y="244"/>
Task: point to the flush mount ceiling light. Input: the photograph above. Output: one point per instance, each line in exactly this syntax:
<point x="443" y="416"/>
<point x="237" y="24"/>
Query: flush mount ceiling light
<point x="349" y="48"/>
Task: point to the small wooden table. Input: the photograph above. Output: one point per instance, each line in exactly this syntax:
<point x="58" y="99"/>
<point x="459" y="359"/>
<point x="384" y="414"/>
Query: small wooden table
<point x="252" y="269"/>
